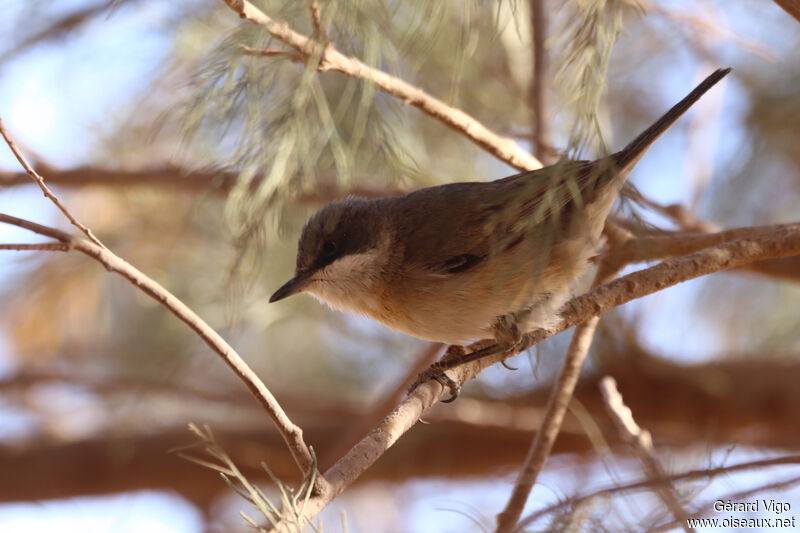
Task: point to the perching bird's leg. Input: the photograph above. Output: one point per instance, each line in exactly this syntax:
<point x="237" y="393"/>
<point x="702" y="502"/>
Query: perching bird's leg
<point x="458" y="355"/>
<point x="436" y="371"/>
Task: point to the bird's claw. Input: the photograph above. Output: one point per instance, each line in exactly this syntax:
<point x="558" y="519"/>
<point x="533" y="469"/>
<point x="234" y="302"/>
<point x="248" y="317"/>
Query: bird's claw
<point x="435" y="372"/>
<point x="448" y="383"/>
<point x="508" y="366"/>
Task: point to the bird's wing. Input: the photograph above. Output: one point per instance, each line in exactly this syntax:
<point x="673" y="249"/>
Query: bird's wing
<point x="453" y="228"/>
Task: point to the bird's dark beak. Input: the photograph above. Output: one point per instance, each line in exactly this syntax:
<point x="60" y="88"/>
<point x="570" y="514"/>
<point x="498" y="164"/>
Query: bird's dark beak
<point x="293" y="286"/>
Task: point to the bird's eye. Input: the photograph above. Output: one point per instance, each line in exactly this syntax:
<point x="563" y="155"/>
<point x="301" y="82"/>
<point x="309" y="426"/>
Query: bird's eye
<point x="329" y="248"/>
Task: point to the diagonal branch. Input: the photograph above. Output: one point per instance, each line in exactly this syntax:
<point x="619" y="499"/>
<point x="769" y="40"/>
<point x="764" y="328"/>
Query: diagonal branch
<point x="503" y="148"/>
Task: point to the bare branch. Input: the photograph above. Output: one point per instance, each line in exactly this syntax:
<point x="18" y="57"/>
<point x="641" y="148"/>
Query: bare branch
<point x="503" y="148"/>
<point x="316" y="20"/>
<point x="41" y="246"/>
<point x="642" y="444"/>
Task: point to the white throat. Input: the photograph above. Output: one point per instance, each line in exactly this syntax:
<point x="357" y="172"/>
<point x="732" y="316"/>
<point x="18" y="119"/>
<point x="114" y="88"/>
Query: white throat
<point x="350" y="283"/>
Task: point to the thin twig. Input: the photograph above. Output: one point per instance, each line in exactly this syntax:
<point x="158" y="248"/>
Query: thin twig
<point x="556" y="410"/>
<point x="642" y="443"/>
<point x="330" y="58"/>
<point x="292" y="434"/>
<point x="40" y="181"/>
<point x="40" y="246"/>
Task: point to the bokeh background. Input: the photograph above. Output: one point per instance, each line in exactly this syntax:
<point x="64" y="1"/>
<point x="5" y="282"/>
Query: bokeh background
<point x="199" y="165"/>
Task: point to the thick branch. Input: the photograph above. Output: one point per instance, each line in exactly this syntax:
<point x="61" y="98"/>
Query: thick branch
<point x="504" y="148"/>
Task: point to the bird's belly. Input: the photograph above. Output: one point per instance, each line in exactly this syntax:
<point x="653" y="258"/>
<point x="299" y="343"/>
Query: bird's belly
<point x="464" y="308"/>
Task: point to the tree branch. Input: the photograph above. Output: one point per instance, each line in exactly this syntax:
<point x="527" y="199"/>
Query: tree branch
<point x="503" y="148"/>
<point x="40" y="246"/>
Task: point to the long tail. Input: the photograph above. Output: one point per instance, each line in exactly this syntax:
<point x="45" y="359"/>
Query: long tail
<point x="628" y="156"/>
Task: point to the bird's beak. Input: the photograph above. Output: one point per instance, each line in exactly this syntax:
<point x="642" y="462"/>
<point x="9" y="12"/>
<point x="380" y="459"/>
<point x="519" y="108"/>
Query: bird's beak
<point x="293" y="286"/>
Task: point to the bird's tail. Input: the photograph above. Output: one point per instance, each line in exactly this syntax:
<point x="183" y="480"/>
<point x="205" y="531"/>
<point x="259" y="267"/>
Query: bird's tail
<point x="628" y="156"/>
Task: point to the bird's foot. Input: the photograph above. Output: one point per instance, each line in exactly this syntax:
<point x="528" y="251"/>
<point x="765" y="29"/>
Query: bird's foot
<point x="458" y="355"/>
<point x="436" y="371"/>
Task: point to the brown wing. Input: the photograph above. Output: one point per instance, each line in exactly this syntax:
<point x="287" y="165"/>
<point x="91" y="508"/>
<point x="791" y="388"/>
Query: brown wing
<point x="455" y="227"/>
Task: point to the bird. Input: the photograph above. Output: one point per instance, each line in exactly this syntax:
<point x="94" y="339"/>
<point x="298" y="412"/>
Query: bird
<point x="465" y="261"/>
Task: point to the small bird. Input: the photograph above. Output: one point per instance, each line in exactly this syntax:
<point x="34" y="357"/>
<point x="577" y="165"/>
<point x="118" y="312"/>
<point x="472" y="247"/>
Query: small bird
<point x="467" y="261"/>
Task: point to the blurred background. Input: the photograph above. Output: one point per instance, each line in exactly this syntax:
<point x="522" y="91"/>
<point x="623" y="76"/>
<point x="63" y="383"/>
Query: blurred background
<point x="199" y="164"/>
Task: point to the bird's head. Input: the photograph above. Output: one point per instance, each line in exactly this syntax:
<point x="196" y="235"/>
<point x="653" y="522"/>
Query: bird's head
<point x="339" y="251"/>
